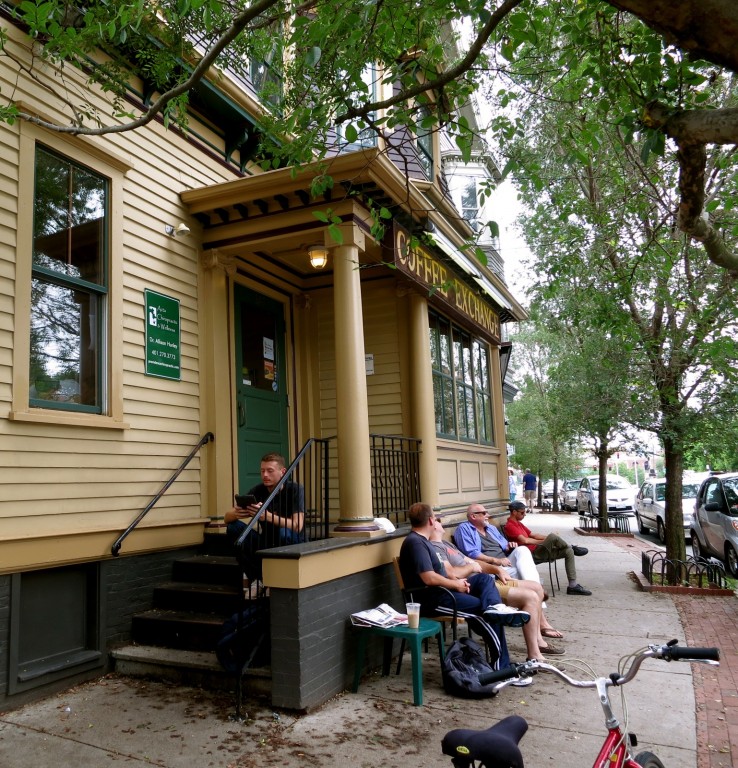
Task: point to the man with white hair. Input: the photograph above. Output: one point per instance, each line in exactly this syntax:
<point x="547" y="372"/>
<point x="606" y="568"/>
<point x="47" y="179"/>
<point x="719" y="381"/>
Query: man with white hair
<point x="485" y="543"/>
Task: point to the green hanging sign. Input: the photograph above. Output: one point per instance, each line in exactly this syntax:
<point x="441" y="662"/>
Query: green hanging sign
<point x="163" y="353"/>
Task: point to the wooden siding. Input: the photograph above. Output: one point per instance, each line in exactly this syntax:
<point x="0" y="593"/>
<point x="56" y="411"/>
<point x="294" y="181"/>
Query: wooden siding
<point x="380" y="340"/>
<point x="71" y="479"/>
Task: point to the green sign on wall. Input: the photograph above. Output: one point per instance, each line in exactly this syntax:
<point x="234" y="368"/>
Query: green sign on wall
<point x="162" y="336"/>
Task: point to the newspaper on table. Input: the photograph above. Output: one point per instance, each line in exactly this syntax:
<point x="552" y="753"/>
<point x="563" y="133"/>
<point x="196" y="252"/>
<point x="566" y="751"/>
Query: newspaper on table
<point x="381" y="616"/>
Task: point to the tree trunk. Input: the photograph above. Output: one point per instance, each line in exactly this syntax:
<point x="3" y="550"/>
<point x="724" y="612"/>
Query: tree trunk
<point x="604" y="521"/>
<point x="674" y="469"/>
<point x="705" y="29"/>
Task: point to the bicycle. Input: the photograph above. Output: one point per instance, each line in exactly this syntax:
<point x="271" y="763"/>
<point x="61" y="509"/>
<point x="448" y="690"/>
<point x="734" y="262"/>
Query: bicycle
<point x="498" y="746"/>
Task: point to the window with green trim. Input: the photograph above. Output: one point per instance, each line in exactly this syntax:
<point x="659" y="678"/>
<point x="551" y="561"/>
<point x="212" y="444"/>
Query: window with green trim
<point x="461" y="383"/>
<point x="69" y="289"/>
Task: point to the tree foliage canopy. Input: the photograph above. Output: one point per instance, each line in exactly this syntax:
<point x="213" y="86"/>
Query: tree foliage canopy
<point x="311" y="57"/>
<point x="658" y="317"/>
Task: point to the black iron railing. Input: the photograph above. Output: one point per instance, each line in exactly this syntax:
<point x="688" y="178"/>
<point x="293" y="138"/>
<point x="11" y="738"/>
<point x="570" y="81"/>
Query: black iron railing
<point x="615" y="523"/>
<point x="395" y="475"/>
<point x="206" y="438"/>
<point x="663" y="571"/>
<point x="309" y="471"/>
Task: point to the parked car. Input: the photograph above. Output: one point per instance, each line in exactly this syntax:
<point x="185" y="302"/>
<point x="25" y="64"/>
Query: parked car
<point x="619" y="496"/>
<point x="715" y="521"/>
<point x="568" y="495"/>
<point x="650" y="506"/>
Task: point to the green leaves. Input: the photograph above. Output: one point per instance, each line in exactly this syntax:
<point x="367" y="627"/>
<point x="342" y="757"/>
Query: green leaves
<point x="654" y="143"/>
<point x="334" y="222"/>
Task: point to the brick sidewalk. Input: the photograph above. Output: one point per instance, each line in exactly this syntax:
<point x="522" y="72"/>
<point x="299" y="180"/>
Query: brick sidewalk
<point x="710" y="621"/>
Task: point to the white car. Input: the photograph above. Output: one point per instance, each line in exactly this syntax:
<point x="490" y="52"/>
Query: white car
<point x="650" y="506"/>
<point x="619" y="496"/>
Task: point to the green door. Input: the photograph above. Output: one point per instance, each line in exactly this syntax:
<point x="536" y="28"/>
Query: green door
<point x="261" y="386"/>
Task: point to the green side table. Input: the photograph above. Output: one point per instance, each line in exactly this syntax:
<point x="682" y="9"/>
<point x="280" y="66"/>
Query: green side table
<point x="413" y="638"/>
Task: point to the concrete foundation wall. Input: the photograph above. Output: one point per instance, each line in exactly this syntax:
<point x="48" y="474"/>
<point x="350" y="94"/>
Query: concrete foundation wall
<point x="127" y="585"/>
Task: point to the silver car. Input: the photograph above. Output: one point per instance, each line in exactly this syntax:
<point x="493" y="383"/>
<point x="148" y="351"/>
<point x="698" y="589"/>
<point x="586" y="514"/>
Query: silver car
<point x="618" y="493"/>
<point x="650" y="506"/>
<point x="568" y="494"/>
<point x="715" y="523"/>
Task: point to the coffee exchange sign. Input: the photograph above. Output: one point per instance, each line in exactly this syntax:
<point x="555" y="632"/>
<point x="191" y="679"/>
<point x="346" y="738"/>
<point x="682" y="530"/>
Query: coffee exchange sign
<point x="441" y="281"/>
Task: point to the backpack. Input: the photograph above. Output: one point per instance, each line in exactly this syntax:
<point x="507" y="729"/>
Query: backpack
<point x="465" y="661"/>
<point x="244" y="641"/>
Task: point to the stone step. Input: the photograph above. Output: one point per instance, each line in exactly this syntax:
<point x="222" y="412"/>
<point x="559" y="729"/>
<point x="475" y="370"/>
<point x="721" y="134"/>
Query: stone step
<point x="208" y="569"/>
<point x="195" y="668"/>
<point x="202" y="597"/>
<point x="184" y="630"/>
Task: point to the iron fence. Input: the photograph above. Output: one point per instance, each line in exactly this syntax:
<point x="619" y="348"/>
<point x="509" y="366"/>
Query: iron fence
<point x="663" y="571"/>
<point x="395" y="475"/>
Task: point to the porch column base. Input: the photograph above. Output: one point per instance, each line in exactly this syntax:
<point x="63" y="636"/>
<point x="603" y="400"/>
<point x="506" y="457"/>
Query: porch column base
<point x="357" y="529"/>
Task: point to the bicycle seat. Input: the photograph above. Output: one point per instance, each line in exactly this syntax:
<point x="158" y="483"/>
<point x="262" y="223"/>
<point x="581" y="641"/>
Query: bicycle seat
<point x="495" y="747"/>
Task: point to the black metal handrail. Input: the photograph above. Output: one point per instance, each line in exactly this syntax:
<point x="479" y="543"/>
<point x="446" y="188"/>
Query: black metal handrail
<point x="206" y="438"/>
<point x="310" y="469"/>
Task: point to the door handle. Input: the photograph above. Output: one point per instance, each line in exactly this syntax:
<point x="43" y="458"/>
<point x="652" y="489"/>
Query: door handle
<point x="241" y="415"/>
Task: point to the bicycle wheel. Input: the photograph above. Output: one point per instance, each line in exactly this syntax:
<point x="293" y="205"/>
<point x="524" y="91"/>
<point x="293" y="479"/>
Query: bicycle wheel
<point x="648" y="760"/>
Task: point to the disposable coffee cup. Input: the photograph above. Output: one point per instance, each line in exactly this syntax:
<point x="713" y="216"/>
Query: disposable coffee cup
<point x="413" y="615"/>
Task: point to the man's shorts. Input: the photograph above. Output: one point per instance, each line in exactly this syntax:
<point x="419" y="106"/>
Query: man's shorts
<point x="504" y="589"/>
<point x="530" y="494"/>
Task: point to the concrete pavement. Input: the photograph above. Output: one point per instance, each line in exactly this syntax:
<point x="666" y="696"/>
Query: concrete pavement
<point x="123" y="721"/>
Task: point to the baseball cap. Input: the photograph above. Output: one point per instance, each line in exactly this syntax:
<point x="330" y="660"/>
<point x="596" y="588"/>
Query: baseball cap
<point x="517" y="505"/>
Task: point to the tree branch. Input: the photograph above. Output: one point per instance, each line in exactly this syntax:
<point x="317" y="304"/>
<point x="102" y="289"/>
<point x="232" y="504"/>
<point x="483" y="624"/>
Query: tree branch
<point x="234" y="30"/>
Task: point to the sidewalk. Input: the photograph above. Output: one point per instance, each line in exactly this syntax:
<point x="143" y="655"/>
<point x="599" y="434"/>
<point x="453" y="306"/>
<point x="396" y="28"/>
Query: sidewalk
<point x="711" y="621"/>
<point x="122" y="721"/>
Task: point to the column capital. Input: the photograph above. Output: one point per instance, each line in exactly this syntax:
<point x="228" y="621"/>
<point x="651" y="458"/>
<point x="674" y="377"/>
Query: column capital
<point x="214" y="259"/>
<point x="352" y="233"/>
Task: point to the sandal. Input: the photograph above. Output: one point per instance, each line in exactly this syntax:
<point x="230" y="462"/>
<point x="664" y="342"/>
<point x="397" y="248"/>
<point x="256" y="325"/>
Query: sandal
<point x="552" y="650"/>
<point x="551" y="632"/>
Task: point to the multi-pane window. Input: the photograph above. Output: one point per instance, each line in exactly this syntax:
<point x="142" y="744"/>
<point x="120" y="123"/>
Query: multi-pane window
<point x="470" y="204"/>
<point x="461" y="383"/>
<point x="69" y="285"/>
<point x="424" y="140"/>
<point x="367" y="91"/>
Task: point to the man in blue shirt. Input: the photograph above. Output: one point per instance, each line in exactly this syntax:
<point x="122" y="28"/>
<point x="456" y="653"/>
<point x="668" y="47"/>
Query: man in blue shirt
<point x="475" y="596"/>
<point x="487" y="544"/>
<point x="530" y="483"/>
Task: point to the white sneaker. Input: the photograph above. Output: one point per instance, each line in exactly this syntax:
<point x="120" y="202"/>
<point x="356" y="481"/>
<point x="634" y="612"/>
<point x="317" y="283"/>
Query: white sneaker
<point x="522" y="682"/>
<point x="507" y="616"/>
<point x="502" y="608"/>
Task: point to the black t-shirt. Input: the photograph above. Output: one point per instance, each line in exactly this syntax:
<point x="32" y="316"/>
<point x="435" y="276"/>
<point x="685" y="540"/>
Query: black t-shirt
<point x="289" y="500"/>
<point x="416" y="557"/>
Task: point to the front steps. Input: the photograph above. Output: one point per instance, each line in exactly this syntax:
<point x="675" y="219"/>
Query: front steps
<point x="176" y="639"/>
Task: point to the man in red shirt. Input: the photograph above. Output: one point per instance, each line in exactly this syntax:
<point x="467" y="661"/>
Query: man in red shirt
<point x="545" y="548"/>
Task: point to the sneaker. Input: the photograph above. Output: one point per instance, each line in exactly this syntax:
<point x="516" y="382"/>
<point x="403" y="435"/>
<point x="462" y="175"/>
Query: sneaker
<point x="522" y="682"/>
<point x="579" y="551"/>
<point x="577" y="589"/>
<point x="504" y="614"/>
<point x="501" y="608"/>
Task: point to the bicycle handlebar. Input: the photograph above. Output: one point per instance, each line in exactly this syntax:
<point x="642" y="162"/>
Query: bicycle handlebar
<point x="503" y="674"/>
<point x="680" y="653"/>
<point x="669" y="652"/>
